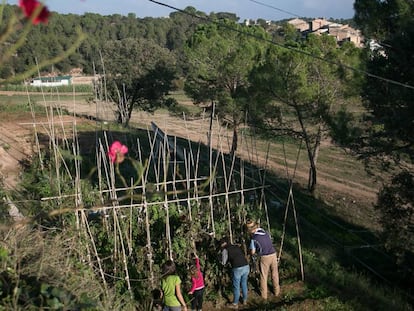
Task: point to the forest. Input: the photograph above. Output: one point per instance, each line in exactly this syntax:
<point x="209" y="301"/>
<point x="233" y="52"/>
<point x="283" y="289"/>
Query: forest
<point x="88" y="228"/>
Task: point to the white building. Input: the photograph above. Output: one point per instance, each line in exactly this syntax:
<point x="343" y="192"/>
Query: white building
<point x="52" y="81"/>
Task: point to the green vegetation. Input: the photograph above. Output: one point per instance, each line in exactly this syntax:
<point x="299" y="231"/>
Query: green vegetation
<point x="97" y="229"/>
<point x="221" y="56"/>
<point x="140" y="81"/>
<point x="388" y="128"/>
<point x="333" y="276"/>
<point x="294" y="92"/>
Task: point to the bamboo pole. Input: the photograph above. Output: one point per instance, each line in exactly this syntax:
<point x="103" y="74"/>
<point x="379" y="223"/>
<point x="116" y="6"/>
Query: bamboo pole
<point x="212" y="172"/>
<point x="102" y="273"/>
<point x="190" y="148"/>
<point x="302" y="271"/>
<point x="107" y="171"/>
<point x="242" y="183"/>
<point x="196" y="179"/>
<point x="226" y="197"/>
<point x="33" y="114"/>
<point x="130" y="224"/>
<point x="166" y="202"/>
<point x="124" y="256"/>
<point x="54" y="149"/>
<point x="262" y="194"/>
<point x="174" y="163"/>
<point x="148" y="232"/>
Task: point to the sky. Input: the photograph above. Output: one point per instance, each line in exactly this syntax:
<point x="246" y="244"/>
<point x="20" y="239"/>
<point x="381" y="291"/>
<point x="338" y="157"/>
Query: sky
<point x="266" y="9"/>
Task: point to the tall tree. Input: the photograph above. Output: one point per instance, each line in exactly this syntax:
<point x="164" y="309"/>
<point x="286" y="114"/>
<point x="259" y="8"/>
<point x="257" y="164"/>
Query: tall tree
<point x="221" y="56"/>
<point x="295" y="90"/>
<point x="391" y="23"/>
<point x="139" y="75"/>
<point x="389" y="137"/>
<point x="183" y="25"/>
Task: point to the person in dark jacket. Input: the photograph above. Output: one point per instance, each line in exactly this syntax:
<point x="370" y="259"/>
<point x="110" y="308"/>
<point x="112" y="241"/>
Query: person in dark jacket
<point x="234" y="255"/>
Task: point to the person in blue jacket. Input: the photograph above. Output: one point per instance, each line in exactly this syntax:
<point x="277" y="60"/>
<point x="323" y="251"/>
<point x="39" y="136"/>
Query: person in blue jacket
<point x="261" y="244"/>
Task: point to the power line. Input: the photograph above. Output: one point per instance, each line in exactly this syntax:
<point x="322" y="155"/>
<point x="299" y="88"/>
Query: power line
<point x="273" y="7"/>
<point x="207" y="19"/>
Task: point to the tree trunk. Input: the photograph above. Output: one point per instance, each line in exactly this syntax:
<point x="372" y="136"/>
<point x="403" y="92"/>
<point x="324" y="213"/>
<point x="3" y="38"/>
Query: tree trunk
<point x="124" y="108"/>
<point x="312" y="180"/>
<point x="128" y="118"/>
<point x="210" y="130"/>
<point x="123" y="118"/>
<point x="234" y="141"/>
<point x="313" y="169"/>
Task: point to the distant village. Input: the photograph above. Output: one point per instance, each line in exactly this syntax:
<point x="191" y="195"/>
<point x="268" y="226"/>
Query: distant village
<point x="342" y="33"/>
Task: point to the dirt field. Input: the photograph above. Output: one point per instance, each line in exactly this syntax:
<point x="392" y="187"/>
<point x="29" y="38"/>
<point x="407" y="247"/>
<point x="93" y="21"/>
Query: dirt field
<point x="16" y="144"/>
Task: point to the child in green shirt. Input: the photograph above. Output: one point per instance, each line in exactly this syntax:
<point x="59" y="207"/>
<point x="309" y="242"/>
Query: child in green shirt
<point x="171" y="288"/>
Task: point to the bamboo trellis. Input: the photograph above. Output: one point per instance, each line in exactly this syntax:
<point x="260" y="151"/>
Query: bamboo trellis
<point x="167" y="181"/>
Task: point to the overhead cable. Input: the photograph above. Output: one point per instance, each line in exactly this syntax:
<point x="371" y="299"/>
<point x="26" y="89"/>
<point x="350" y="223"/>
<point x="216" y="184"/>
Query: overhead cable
<point x="275" y="8"/>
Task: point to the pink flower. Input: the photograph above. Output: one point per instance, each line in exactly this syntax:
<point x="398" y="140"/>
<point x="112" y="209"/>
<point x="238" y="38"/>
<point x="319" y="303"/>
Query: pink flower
<point x="117" y="152"/>
<point x="30" y="6"/>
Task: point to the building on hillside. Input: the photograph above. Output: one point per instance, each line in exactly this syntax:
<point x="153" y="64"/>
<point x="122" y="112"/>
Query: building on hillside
<point x="344" y="33"/>
<point x="299" y="24"/>
<point x="318" y="24"/>
<point x="52" y="81"/>
<point x="321" y="31"/>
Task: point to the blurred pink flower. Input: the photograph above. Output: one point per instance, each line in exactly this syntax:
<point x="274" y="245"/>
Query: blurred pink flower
<point x="117" y="152"/>
<point x="29" y="7"/>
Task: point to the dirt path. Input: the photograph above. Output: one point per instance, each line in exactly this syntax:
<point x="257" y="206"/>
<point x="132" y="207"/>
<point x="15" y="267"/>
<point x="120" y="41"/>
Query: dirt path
<point x="15" y="146"/>
<point x="17" y="143"/>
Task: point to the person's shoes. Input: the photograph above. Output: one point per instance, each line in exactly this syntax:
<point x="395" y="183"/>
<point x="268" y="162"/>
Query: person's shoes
<point x="244" y="302"/>
<point x="232" y="306"/>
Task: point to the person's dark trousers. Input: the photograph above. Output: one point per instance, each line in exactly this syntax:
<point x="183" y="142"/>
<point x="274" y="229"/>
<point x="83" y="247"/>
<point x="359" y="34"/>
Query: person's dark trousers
<point x="197" y="302"/>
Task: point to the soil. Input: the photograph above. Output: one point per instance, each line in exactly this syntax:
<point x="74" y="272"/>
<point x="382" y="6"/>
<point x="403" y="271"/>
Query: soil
<point x="17" y="143"/>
